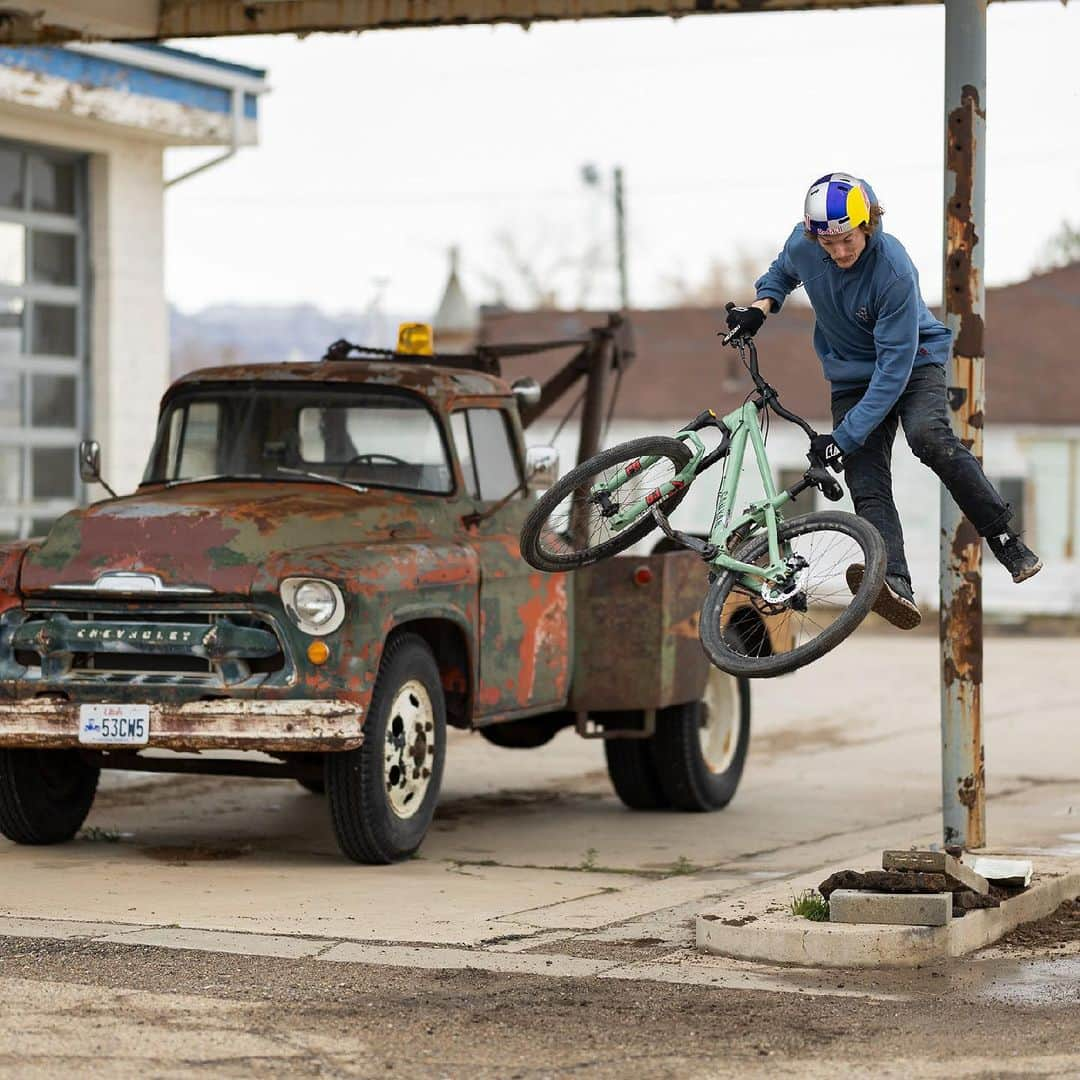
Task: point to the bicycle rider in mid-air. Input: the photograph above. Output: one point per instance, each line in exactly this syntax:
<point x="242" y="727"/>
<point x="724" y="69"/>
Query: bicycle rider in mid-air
<point x="884" y="355"/>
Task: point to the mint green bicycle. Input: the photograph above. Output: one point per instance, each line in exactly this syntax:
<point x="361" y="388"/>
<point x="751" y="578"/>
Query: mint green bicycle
<point x="820" y="572"/>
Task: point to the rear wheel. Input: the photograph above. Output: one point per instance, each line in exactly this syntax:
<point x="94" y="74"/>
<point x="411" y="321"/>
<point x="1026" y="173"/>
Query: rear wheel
<point x="570" y="527"/>
<point x="382" y="795"/>
<point x="632" y="770"/>
<point x="45" y="795"/>
<point x="816" y="605"/>
<point x="700" y="748"/>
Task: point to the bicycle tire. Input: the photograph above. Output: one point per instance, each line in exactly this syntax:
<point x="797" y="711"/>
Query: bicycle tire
<point x="872" y="553"/>
<point x="542" y="520"/>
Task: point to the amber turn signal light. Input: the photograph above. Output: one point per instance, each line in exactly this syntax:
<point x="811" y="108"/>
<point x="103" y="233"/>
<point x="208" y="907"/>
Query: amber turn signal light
<point x="318" y="652"/>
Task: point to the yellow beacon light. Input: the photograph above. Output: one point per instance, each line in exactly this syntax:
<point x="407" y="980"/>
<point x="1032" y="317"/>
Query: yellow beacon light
<point x="415" y="339"/>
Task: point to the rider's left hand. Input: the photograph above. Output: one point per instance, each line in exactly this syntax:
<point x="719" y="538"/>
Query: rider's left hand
<point x="828" y="450"/>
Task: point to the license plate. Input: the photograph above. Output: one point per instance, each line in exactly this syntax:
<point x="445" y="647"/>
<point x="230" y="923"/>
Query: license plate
<point x="114" y="725"/>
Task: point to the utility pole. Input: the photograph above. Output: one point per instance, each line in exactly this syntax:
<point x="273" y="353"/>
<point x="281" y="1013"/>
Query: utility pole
<point x="590" y="177"/>
<point x="963" y="773"/>
<point x="620" y="239"/>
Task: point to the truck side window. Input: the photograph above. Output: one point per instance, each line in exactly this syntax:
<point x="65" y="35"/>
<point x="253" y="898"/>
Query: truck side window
<point x="487" y="453"/>
<point x="459" y="427"/>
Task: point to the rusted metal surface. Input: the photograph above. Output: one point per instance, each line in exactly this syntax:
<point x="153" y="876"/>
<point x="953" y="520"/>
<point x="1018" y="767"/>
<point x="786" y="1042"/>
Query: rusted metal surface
<point x="637" y="646"/>
<point x="963" y="763"/>
<point x="198" y="725"/>
<point x="202" y="18"/>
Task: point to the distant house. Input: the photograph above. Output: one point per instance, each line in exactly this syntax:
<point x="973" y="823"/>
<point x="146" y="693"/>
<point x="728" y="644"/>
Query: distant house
<point x="1032" y="439"/>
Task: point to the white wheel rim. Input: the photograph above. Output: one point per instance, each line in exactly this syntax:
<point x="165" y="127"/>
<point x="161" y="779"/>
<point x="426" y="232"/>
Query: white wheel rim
<point x="409" y="749"/>
<point x="721" y="721"/>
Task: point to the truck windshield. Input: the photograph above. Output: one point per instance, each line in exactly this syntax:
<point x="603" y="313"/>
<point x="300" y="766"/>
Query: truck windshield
<point x="368" y="437"/>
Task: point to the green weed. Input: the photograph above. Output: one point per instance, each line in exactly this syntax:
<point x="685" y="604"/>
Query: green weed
<point x="810" y="905"/>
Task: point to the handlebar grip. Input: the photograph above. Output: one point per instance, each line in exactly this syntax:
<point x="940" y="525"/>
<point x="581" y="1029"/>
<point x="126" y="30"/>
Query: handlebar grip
<point x="832" y="490"/>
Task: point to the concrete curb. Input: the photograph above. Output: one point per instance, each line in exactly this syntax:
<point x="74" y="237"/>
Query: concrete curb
<point x="760" y="927"/>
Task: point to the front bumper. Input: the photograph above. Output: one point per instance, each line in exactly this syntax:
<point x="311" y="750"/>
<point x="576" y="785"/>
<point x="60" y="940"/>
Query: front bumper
<point x="199" y="725"/>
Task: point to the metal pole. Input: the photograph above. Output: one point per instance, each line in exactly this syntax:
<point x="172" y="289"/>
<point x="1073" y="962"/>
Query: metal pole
<point x="963" y="774"/>
<point x="620" y="239"/>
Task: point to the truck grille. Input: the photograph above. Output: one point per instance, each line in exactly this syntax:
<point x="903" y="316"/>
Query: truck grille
<point x="196" y="648"/>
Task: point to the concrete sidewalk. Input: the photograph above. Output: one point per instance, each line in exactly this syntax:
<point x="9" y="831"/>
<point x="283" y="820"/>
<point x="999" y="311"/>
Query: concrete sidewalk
<point x="534" y="865"/>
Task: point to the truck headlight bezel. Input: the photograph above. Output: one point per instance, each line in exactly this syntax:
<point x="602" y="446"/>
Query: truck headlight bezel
<point x="300" y="595"/>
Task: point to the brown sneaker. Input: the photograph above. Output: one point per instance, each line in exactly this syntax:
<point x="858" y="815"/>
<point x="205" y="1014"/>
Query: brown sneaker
<point x="895" y="603"/>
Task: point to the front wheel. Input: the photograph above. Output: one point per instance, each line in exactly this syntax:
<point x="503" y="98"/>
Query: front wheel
<point x="382" y="795"/>
<point x="45" y="795"/>
<point x="816" y="607"/>
<point x="571" y="527"/>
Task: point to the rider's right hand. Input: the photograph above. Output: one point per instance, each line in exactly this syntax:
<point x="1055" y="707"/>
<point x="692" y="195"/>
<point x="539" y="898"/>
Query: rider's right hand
<point x="745" y="321"/>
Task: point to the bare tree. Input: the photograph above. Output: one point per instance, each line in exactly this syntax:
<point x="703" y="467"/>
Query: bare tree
<point x="723" y="280"/>
<point x="1061" y="249"/>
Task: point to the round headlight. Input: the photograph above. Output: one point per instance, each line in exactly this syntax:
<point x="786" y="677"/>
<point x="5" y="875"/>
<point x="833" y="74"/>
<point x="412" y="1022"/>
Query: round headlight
<point x="316" y="606"/>
<point x="315" y="602"/>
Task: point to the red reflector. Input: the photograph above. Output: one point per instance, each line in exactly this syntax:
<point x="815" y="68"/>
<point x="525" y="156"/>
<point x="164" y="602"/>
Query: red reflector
<point x="642" y="575"/>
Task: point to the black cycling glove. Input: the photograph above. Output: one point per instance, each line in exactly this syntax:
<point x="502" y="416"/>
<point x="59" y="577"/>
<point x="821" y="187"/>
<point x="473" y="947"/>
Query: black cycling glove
<point x="746" y="320"/>
<point x="827" y="449"/>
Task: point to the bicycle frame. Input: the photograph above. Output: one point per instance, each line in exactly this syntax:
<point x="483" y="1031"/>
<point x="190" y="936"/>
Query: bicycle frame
<point x="745" y="427"/>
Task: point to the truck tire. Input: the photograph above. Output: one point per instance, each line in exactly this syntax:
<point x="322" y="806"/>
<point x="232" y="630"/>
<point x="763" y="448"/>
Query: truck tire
<point x="45" y="795"/>
<point x="316" y="787"/>
<point x="382" y="795"/>
<point x="632" y="769"/>
<point x="700" y="748"/>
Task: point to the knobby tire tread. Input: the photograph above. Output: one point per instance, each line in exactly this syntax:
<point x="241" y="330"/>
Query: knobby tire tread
<point x="531" y="531"/>
<point x="766" y="667"/>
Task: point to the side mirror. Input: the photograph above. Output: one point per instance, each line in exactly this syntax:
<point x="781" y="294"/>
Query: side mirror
<point x="90" y="461"/>
<point x="526" y="392"/>
<point x="90" y="464"/>
<point x="541" y="467"/>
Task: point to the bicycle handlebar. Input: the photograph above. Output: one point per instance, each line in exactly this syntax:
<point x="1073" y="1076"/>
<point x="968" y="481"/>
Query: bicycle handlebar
<point x="818" y="474"/>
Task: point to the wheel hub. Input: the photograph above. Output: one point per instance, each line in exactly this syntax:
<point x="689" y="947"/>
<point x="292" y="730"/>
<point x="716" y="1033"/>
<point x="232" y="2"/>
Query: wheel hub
<point x="409" y="749"/>
<point x="721" y="721"/>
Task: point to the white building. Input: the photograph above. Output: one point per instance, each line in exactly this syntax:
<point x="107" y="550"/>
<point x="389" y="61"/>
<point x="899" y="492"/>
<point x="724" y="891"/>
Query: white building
<point x="1032" y="441"/>
<point x="83" y="318"/>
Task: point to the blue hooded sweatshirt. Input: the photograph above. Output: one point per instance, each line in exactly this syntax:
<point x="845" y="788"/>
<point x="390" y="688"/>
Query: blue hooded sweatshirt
<point x="872" y="326"/>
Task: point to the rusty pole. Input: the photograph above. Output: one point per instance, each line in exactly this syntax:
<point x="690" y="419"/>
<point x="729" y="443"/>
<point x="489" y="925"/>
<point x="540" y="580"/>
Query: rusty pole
<point x="963" y="773"/>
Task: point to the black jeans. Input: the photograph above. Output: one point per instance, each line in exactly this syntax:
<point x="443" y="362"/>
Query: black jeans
<point x="923" y="410"/>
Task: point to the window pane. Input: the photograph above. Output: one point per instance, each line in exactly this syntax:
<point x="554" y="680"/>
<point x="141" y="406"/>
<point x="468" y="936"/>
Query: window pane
<point x="9" y="527"/>
<point x="11" y="327"/>
<point x="11" y="178"/>
<point x="53" y="258"/>
<point x="12" y="253"/>
<point x="53" y="402"/>
<point x="459" y="427"/>
<point x="52" y="186"/>
<point x="54" y="330"/>
<point x="496" y="462"/>
<point x="10" y="474"/>
<point x="40" y="526"/>
<point x="11" y="403"/>
<point x="54" y="472"/>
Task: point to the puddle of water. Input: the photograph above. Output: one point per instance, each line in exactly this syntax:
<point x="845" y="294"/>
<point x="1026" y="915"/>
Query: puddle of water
<point x="1037" y="982"/>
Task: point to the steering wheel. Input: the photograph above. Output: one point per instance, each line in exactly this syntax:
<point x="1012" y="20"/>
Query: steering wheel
<point x="371" y="459"/>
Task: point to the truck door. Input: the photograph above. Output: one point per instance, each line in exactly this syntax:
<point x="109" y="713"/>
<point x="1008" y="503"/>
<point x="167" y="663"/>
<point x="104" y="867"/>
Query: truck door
<point x="524" y="647"/>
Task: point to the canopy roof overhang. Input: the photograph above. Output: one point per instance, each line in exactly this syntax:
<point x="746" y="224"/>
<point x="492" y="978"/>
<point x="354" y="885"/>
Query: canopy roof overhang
<point x="38" y="23"/>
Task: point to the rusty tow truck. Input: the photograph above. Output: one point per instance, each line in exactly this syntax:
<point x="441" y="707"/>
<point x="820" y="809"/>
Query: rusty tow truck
<point x="321" y="564"/>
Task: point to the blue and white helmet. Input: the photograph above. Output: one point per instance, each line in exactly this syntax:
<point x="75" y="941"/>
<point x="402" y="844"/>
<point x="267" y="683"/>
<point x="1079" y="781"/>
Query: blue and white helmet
<point x="836" y="204"/>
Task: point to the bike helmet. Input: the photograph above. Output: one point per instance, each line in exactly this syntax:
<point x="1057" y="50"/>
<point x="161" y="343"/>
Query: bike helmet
<point x="836" y="204"/>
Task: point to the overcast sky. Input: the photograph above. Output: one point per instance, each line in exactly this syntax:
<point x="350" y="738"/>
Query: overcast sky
<point x="380" y="151"/>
